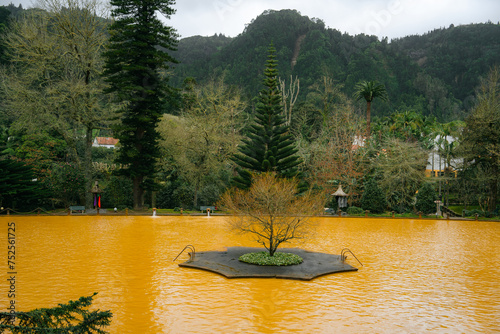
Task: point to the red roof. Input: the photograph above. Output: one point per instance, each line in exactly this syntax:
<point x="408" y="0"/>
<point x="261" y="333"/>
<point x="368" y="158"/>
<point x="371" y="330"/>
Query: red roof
<point x="106" y="141"/>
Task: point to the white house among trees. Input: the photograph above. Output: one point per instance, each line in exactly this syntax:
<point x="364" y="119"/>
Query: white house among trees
<point x="105" y="142"/>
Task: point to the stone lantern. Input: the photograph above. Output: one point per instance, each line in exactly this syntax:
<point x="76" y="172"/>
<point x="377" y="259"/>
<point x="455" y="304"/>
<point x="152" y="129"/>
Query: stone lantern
<point x="341" y="197"/>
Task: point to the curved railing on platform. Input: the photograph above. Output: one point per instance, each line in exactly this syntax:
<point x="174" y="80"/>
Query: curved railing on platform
<point x="343" y="255"/>
<point x="191" y="254"/>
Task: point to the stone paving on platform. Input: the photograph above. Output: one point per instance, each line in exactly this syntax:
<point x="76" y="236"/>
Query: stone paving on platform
<point x="226" y="263"/>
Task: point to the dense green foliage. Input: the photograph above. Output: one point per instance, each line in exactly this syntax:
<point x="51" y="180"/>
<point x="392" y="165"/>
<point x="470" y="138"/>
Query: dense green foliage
<point x="117" y="193"/>
<point x="354" y="210"/>
<point x="53" y="84"/>
<point x="197" y="50"/>
<point x="373" y="198"/>
<point x="133" y="65"/>
<point x="70" y="318"/>
<point x="18" y="187"/>
<point x="481" y="139"/>
<point x="400" y="168"/>
<point x="457" y="55"/>
<point x="278" y="259"/>
<point x="425" y="199"/>
<point x="269" y="146"/>
<point x="7" y="13"/>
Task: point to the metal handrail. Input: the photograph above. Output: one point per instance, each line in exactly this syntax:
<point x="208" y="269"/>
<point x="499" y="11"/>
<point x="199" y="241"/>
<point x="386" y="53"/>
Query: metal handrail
<point x="343" y="255"/>
<point x="191" y="255"/>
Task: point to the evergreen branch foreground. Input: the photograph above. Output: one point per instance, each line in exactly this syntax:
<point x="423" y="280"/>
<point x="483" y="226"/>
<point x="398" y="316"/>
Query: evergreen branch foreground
<point x="71" y="318"/>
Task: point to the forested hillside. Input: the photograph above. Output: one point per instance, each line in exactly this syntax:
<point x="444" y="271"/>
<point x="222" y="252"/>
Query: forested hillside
<point x="434" y="74"/>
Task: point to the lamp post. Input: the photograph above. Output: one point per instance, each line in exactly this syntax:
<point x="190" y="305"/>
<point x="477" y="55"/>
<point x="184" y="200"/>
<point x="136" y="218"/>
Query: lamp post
<point x="438" y="209"/>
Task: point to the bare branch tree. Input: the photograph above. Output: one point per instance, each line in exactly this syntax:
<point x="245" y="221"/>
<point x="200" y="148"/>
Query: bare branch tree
<point x="289" y="96"/>
<point x="272" y="211"/>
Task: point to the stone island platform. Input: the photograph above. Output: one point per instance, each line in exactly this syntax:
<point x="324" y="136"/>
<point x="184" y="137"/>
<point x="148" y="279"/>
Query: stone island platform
<point x="226" y="263"/>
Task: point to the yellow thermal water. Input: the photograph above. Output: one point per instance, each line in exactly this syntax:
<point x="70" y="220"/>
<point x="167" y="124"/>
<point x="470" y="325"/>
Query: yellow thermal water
<point x="418" y="276"/>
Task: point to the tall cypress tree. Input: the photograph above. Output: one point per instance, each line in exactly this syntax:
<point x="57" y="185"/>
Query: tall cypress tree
<point x="269" y="146"/>
<point x="136" y="55"/>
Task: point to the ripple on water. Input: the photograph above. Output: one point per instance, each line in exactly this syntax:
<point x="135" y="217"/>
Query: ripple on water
<point x="439" y="276"/>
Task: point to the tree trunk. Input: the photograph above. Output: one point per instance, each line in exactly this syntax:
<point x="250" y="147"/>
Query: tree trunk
<point x="87" y="168"/>
<point x="272" y="247"/>
<point x="195" y="197"/>
<point x="138" y="192"/>
<point x="432" y="173"/>
<point x="272" y="251"/>
<point x="368" y="115"/>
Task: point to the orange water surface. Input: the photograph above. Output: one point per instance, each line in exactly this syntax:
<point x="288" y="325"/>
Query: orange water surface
<point x="418" y="276"/>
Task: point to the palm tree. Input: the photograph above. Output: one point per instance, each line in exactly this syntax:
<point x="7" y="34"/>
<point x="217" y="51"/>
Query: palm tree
<point x="369" y="90"/>
<point x="408" y="125"/>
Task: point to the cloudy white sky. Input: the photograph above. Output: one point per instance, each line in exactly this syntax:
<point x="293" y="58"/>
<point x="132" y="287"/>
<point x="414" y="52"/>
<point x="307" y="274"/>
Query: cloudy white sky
<point x="384" y="18"/>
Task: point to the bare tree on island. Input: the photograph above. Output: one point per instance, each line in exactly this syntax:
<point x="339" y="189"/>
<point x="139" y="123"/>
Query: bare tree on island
<point x="272" y="211"/>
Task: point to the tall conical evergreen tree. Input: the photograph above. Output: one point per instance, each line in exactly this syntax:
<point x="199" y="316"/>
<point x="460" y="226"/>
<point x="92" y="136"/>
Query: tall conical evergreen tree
<point x="269" y="145"/>
<point x="135" y="59"/>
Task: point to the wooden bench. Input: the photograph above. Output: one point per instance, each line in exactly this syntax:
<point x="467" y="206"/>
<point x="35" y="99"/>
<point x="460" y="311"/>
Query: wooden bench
<point x="79" y="208"/>
<point x="205" y="208"/>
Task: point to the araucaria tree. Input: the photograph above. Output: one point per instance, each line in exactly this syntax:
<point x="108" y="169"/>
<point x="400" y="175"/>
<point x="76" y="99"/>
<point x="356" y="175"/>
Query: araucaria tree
<point x="73" y="317"/>
<point x="136" y="61"/>
<point x="271" y="211"/>
<point x="369" y="90"/>
<point x="269" y="146"/>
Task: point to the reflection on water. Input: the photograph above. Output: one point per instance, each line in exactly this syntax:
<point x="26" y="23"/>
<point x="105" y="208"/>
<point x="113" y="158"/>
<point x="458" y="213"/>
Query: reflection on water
<point x="439" y="276"/>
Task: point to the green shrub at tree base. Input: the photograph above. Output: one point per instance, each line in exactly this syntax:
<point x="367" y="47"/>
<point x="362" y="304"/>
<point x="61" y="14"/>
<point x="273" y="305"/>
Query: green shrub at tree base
<point x="278" y="259"/>
<point x="354" y="210"/>
<point x="66" y="183"/>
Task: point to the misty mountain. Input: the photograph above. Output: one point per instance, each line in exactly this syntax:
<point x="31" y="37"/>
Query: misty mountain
<point x="434" y="74"/>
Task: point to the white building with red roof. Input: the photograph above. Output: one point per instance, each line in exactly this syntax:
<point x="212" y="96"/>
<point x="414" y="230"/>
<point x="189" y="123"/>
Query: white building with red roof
<point x="108" y="142"/>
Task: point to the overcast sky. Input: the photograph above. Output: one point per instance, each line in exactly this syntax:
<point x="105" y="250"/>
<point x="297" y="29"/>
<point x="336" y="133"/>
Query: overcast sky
<point x="384" y="18"/>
